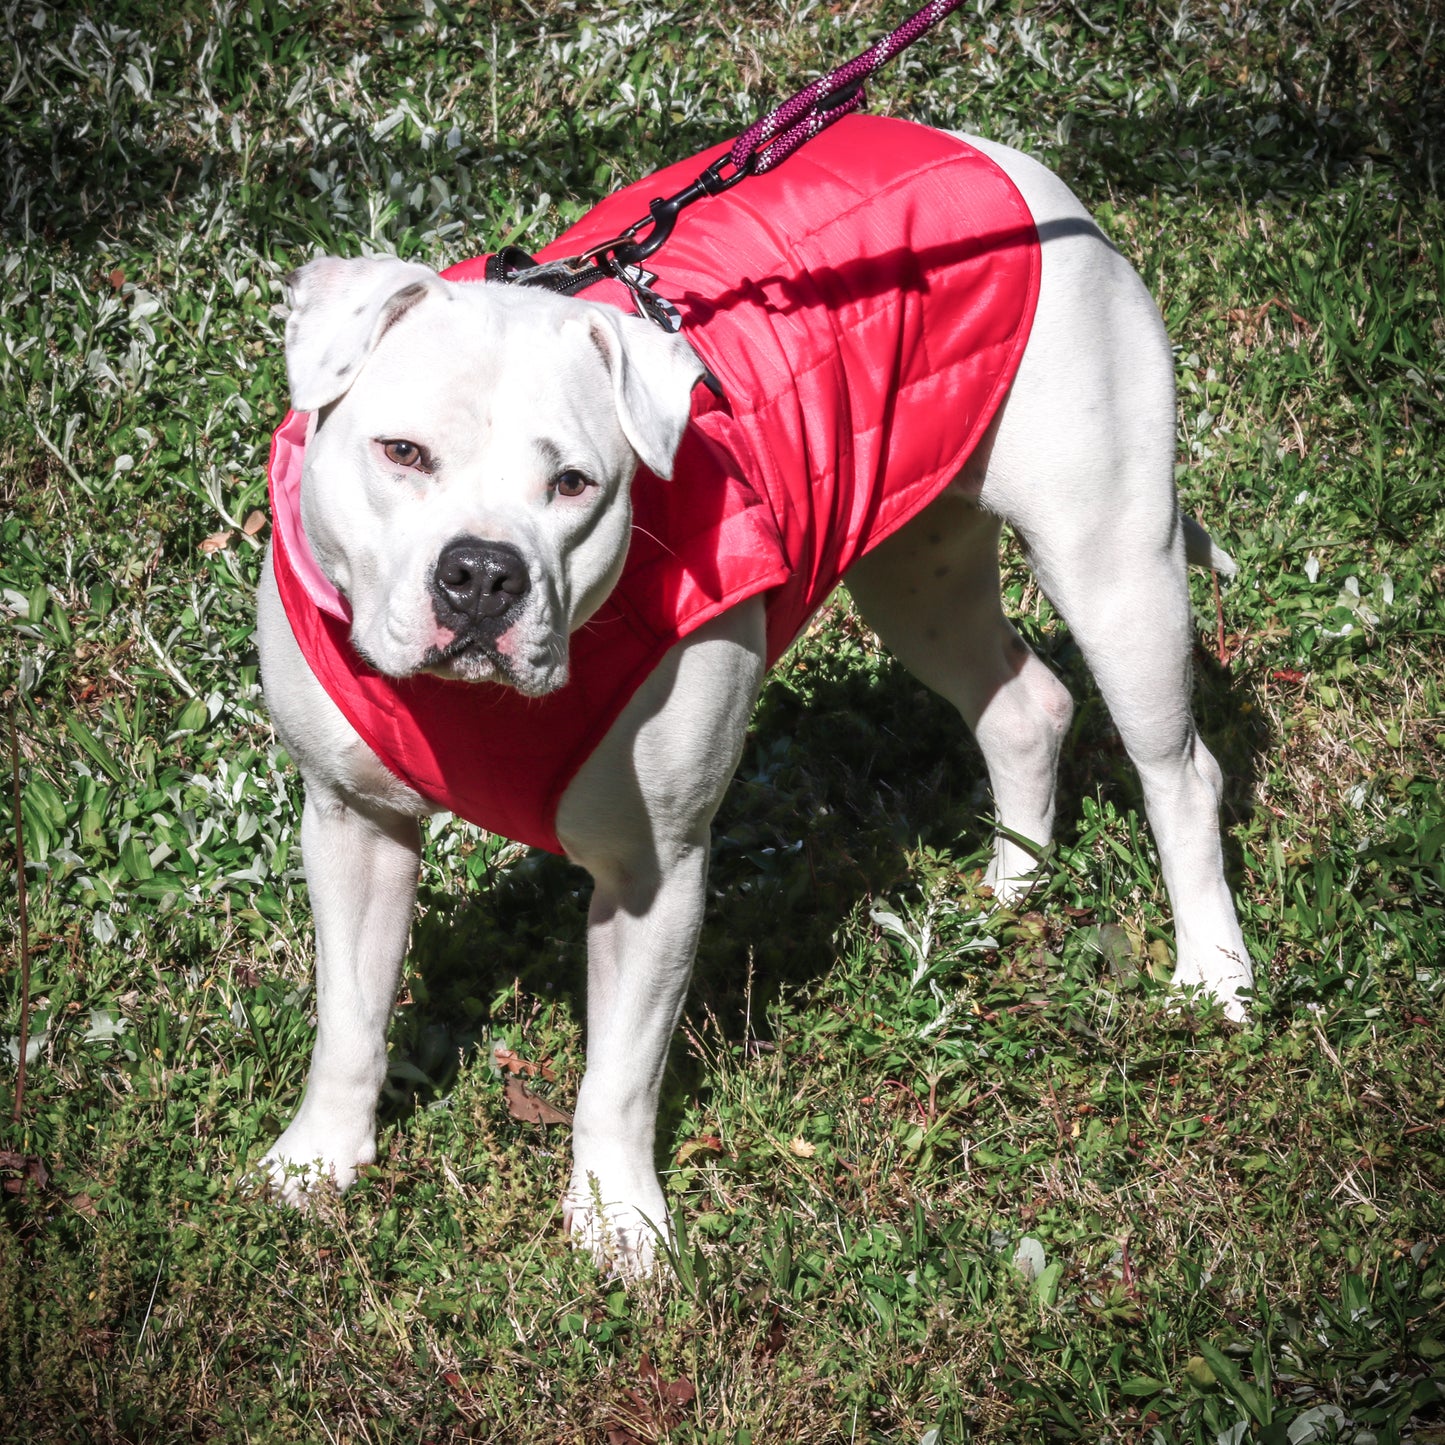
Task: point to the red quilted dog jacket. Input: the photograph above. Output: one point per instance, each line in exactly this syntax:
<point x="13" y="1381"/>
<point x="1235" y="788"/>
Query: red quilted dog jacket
<point x="865" y="306"/>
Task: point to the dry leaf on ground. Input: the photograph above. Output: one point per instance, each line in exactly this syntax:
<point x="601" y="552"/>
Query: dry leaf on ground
<point x="513" y="1063"/>
<point x="652" y="1408"/>
<point x="28" y="1166"/>
<point x="524" y="1105"/>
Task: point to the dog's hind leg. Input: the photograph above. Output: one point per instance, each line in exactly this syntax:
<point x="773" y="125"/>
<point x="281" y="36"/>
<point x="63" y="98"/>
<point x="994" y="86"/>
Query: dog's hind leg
<point x="1082" y="466"/>
<point x="1123" y="592"/>
<point x="931" y="592"/>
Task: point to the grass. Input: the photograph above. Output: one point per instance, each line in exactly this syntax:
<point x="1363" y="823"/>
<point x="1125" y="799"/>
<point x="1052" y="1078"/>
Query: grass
<point x="882" y="1090"/>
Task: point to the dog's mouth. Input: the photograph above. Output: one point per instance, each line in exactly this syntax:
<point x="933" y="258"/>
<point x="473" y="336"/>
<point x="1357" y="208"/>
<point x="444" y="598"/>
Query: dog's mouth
<point x="464" y="656"/>
<point x="472" y="658"/>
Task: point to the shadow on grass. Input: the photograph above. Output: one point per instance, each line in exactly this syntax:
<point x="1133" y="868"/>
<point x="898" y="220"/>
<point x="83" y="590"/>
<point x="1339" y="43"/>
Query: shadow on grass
<point x="852" y="766"/>
<point x="842" y="777"/>
<point x="1220" y="144"/>
<point x="108" y="158"/>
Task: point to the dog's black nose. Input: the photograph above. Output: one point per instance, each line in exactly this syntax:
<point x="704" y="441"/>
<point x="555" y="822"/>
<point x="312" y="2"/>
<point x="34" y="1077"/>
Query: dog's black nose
<point x="477" y="582"/>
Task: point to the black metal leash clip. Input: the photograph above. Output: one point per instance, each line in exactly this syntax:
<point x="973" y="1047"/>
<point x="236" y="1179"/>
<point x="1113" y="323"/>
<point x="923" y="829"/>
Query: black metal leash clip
<point x="621" y="257"/>
<point x="662" y="214"/>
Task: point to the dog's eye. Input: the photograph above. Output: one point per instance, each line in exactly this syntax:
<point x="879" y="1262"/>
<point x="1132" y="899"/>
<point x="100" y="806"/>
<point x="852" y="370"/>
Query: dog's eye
<point x="406" y="454"/>
<point x="571" y="483"/>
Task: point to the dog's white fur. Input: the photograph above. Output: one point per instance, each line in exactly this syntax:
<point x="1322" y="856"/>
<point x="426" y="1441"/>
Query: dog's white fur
<point x="507" y="387"/>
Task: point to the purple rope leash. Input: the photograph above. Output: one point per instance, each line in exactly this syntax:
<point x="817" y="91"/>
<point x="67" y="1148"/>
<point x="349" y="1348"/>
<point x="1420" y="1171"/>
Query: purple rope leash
<point x="797" y="120"/>
<point x="759" y="148"/>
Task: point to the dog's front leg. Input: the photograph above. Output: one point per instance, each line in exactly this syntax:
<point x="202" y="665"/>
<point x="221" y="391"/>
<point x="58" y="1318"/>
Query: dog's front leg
<point x="638" y="816"/>
<point x="361" y="870"/>
<point x="641" y="939"/>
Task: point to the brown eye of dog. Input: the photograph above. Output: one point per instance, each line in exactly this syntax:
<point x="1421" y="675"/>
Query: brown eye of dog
<point x="571" y="483"/>
<point x="406" y="454"/>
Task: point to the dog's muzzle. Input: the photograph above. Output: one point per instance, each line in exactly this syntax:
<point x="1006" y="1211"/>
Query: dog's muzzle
<point x="478" y="587"/>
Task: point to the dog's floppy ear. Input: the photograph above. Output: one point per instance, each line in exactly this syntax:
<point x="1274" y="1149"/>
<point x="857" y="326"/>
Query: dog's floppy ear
<point x="653" y="373"/>
<point x="339" y="311"/>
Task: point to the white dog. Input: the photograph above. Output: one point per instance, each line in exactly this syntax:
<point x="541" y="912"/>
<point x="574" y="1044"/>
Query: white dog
<point x="466" y="509"/>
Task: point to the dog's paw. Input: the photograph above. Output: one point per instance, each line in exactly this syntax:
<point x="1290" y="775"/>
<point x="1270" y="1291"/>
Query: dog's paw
<point x="303" y="1162"/>
<point x="1014" y="871"/>
<point x="1225" y="975"/>
<point x="1011" y="890"/>
<point x="624" y="1240"/>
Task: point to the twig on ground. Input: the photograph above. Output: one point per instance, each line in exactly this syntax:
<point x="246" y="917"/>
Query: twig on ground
<point x="174" y="673"/>
<point x="64" y="460"/>
<point x="24" y="917"/>
<point x="1219" y="621"/>
<point x="140" y="1338"/>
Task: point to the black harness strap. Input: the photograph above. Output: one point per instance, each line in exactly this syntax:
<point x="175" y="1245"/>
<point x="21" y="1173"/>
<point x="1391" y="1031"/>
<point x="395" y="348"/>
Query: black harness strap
<point x="513" y="265"/>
